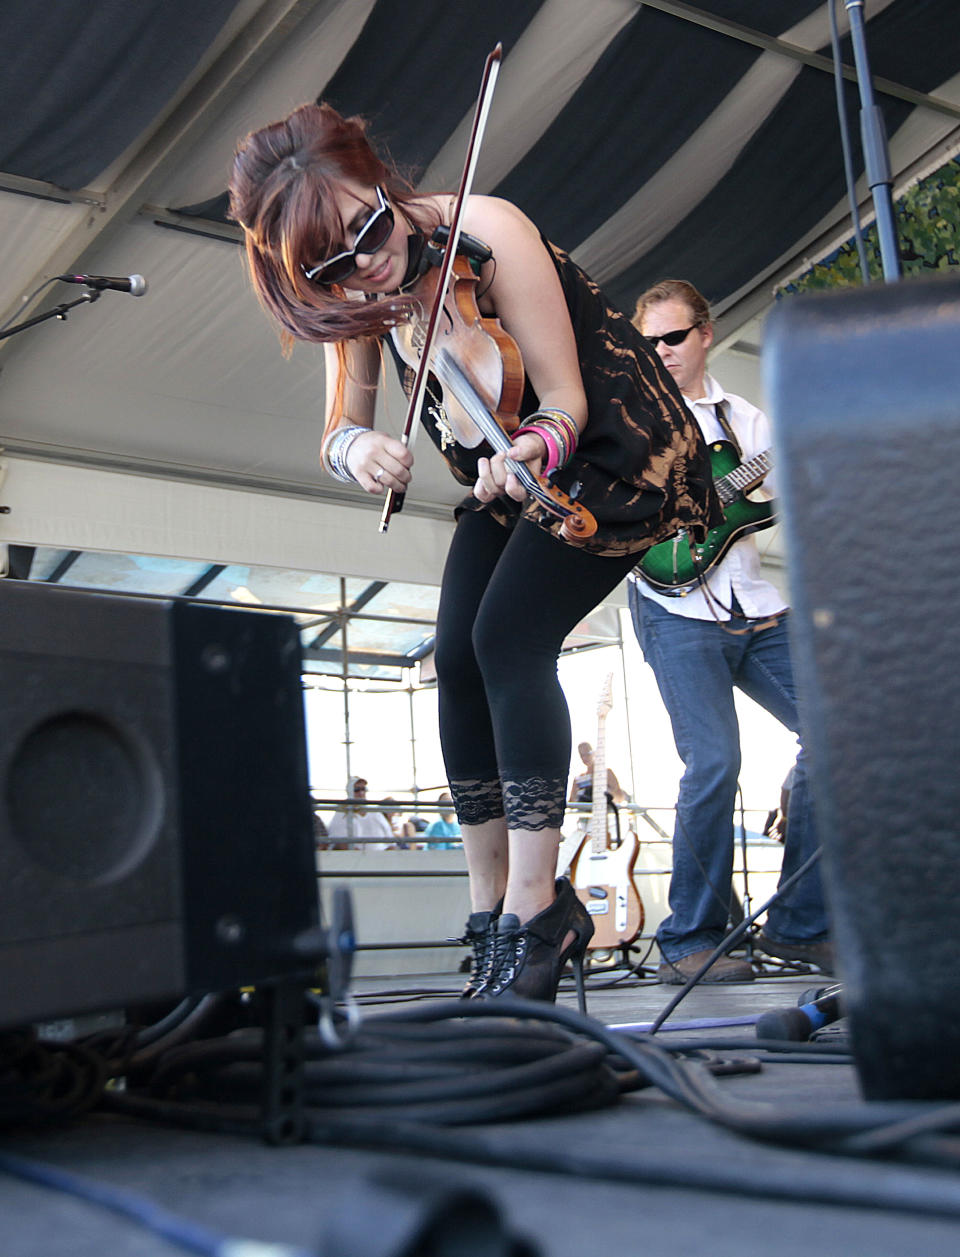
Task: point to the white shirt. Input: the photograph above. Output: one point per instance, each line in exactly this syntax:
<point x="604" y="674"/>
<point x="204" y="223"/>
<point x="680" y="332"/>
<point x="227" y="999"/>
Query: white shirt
<point x="739" y="570"/>
<point x="368" y="825"/>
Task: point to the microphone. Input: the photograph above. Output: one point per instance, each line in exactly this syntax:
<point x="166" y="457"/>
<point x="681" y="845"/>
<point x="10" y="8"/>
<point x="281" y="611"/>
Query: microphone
<point x="134" y="284"/>
<point x="798" y="1024"/>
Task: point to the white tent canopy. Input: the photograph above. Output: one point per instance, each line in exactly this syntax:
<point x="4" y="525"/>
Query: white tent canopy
<point x="645" y="139"/>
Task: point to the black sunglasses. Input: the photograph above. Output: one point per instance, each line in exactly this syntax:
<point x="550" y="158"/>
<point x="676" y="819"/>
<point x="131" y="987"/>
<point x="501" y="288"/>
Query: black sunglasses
<point x="374" y="233"/>
<point x="673" y="338"/>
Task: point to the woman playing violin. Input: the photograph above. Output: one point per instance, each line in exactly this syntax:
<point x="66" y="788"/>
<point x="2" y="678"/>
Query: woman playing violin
<point x="336" y="246"/>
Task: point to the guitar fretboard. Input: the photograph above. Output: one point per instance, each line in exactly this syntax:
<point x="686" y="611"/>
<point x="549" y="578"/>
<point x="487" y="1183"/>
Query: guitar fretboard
<point x="743" y="478"/>
<point x="598" y="812"/>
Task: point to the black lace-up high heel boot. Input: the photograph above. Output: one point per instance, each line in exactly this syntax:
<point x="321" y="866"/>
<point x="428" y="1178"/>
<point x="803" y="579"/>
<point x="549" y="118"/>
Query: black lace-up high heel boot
<point x="480" y="934"/>
<point x="529" y="958"/>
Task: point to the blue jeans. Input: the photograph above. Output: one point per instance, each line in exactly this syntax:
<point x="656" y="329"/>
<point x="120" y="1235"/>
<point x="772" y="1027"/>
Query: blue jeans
<point x="697" y="665"/>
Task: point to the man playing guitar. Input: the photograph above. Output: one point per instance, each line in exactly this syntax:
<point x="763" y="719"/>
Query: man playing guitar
<point x="727" y="629"/>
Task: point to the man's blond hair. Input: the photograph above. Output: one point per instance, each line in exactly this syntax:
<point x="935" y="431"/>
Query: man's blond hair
<point x="673" y="290"/>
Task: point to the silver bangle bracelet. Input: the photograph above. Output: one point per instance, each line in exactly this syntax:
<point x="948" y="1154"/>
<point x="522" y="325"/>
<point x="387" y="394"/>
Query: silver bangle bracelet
<point x="334" y="452"/>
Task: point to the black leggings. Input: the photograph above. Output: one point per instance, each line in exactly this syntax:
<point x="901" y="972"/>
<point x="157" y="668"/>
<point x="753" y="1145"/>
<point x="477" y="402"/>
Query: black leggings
<point x="509" y="599"/>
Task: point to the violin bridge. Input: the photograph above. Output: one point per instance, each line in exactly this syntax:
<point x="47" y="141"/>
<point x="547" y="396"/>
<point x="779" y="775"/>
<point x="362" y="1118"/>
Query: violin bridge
<point x="439" y="416"/>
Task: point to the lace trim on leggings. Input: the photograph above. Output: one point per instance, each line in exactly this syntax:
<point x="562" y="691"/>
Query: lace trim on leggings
<point x="477" y="801"/>
<point x="535" y="802"/>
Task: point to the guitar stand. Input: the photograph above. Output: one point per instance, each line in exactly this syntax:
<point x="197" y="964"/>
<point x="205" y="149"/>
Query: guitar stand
<point x="612" y="807"/>
<point x="745" y="906"/>
<point x="641" y="970"/>
<point x="625" y="965"/>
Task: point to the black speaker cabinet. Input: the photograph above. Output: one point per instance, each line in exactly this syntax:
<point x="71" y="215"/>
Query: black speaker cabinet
<point x="865" y="394"/>
<point x="155" y="827"/>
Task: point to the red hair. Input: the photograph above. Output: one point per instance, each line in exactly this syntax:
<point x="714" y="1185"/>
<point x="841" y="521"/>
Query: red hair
<point x="281" y="194"/>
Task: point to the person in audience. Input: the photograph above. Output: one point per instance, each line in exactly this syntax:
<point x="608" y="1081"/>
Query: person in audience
<point x="444" y="827"/>
<point x="351" y="823"/>
<point x="581" y="789"/>
<point x="403" y="829"/>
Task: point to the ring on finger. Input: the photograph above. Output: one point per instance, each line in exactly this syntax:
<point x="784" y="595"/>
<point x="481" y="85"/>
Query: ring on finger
<point x="379" y="473"/>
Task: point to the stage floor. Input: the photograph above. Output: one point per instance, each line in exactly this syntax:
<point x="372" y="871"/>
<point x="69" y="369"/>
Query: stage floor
<point x="643" y="1181"/>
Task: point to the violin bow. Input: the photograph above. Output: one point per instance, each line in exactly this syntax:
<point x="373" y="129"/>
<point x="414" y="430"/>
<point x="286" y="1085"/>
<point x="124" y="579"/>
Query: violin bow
<point x="491" y="68"/>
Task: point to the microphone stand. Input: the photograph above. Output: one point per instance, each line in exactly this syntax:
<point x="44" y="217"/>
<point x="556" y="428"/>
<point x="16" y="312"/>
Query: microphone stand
<point x="57" y="312"/>
<point x="875" y="154"/>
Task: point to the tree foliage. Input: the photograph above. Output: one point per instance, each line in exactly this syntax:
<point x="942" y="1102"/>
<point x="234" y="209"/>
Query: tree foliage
<point x="928" y="230"/>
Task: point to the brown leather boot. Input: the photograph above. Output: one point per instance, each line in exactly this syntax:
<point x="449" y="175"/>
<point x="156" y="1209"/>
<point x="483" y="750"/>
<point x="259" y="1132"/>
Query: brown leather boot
<point x="723" y="969"/>
<point x="817" y="952"/>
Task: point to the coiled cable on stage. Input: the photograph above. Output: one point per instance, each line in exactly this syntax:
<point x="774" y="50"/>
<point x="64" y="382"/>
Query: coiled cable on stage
<point x="45" y="1082"/>
<point x="415" y="1080"/>
<point x="450" y="1074"/>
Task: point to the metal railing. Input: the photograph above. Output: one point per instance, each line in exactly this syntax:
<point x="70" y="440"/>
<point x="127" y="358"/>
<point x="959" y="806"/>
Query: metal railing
<point x="643" y="819"/>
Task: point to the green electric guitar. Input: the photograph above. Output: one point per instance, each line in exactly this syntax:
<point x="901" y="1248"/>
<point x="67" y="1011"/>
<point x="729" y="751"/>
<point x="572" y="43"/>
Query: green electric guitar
<point x="675" y="566"/>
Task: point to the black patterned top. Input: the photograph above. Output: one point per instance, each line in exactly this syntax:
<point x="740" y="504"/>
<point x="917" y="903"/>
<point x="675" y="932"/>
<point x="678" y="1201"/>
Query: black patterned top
<point x="641" y="463"/>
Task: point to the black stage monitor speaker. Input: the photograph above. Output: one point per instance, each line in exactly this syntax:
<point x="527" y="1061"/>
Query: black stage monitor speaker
<point x="865" y="394"/>
<point x="156" y="836"/>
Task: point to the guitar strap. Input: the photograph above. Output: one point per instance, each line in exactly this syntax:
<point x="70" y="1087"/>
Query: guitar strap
<point x="720" y="410"/>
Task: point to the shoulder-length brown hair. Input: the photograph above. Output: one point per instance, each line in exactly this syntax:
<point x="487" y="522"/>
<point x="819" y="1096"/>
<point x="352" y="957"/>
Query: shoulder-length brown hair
<point x="281" y="194"/>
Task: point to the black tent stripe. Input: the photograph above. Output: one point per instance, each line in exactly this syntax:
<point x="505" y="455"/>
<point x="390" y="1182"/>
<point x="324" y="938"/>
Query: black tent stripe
<point x="771" y="17"/>
<point x="628" y="116"/>
<point x="787" y="178"/>
<point x="790" y="174"/>
<point x="414" y="70"/>
<point x="80" y="82"/>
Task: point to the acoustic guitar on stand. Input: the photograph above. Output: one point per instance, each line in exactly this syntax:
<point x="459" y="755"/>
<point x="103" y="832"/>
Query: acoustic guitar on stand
<point x="602" y="875"/>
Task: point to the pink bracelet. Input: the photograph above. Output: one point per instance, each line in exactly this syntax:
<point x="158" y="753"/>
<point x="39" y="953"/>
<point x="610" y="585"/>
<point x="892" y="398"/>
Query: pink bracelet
<point x="562" y="425"/>
<point x="564" y="422"/>
<point x="554" y="456"/>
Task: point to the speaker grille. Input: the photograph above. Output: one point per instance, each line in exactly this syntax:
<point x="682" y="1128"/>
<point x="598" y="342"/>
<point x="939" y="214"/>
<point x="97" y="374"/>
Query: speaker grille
<point x="156" y="834"/>
<point x="865" y="388"/>
<point x="83" y="797"/>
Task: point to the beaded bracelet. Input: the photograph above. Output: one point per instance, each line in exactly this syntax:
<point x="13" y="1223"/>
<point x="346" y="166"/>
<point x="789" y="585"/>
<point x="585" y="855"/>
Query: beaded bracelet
<point x="334" y="452"/>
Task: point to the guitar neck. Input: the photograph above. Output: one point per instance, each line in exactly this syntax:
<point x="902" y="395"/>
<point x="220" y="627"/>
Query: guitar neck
<point x="598" y="812"/>
<point x="744" y="477"/>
